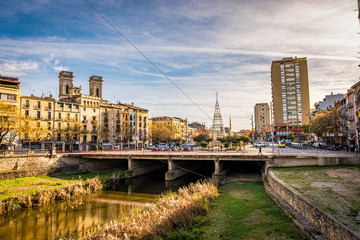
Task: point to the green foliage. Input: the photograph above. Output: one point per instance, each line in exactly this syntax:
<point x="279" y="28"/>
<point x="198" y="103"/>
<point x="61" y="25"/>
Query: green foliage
<point x="95" y="148"/>
<point x="101" y="148"/>
<point x="291" y="136"/>
<point x="203" y="139"/>
<point x="162" y="133"/>
<point x="325" y="121"/>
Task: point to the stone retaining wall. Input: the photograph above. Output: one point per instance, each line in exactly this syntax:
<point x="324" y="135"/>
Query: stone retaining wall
<point x="27" y="166"/>
<point x="322" y="221"/>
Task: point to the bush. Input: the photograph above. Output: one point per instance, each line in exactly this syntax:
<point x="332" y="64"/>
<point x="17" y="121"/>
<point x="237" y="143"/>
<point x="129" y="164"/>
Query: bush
<point x="101" y="147"/>
<point x="172" y="211"/>
<point x="95" y="148"/>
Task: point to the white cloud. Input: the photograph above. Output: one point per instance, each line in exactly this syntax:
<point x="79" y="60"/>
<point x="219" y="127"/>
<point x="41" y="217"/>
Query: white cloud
<point x="17" y="67"/>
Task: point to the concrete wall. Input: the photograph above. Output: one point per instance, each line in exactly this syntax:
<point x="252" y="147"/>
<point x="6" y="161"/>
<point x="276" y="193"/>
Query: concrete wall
<point x="322" y="221"/>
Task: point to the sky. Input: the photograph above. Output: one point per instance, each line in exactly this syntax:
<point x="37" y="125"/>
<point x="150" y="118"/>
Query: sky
<point x="204" y="47"/>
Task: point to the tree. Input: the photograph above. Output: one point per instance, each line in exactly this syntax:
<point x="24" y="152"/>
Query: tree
<point x="325" y="121"/>
<point x="9" y="122"/>
<point x="229" y="140"/>
<point x="203" y="140"/>
<point x="162" y="132"/>
<point x="31" y="130"/>
<point x="291" y="136"/>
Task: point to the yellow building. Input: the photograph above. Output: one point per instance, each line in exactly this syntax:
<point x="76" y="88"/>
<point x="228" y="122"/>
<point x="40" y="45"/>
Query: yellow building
<point x="138" y="120"/>
<point x="9" y="90"/>
<point x="40" y="109"/>
<point x="181" y="125"/>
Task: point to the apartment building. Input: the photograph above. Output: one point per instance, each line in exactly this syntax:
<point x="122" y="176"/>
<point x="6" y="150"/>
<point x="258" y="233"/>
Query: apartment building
<point x="41" y="110"/>
<point x="262" y="118"/>
<point x="290" y="95"/>
<point x="9" y="90"/>
<point x="180" y="125"/>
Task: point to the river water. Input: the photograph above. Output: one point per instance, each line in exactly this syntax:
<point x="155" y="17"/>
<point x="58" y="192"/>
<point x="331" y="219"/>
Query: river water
<point x="75" y="218"/>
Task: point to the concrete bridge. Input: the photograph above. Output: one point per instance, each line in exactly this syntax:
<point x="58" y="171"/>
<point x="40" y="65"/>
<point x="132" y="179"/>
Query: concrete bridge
<point x="179" y="164"/>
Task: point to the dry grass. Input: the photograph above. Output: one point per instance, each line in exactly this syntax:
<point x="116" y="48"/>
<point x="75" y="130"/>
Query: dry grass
<point x="172" y="211"/>
<point x="44" y="196"/>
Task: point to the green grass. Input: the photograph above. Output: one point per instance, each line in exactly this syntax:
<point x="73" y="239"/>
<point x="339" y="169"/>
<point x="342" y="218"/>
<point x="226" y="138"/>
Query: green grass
<point x="334" y="189"/>
<point x="29" y="185"/>
<point x="87" y="175"/>
<point x="243" y="211"/>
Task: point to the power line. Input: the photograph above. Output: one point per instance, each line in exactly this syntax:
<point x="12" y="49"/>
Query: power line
<point x="151" y="62"/>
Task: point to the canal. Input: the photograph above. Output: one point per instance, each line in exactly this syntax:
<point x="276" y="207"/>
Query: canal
<point x="76" y="218"/>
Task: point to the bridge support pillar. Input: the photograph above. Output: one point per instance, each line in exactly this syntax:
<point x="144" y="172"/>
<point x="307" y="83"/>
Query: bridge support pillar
<point x="174" y="170"/>
<point x="137" y="167"/>
<point x="180" y="168"/>
<point x="218" y="175"/>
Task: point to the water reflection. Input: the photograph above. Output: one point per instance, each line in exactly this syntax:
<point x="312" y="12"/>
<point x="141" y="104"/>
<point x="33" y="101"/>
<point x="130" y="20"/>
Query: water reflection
<point x="75" y="218"/>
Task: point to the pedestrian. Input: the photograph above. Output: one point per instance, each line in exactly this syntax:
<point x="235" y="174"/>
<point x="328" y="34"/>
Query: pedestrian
<point x="260" y="153"/>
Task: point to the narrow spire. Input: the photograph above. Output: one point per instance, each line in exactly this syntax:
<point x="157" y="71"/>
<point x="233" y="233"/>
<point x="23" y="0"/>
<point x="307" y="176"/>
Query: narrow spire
<point x="217" y="129"/>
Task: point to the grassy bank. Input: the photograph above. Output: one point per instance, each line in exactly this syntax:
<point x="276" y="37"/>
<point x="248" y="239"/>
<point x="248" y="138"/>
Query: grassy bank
<point x="243" y="211"/>
<point x="172" y="211"/>
<point x="38" y="191"/>
<point x="334" y="189"/>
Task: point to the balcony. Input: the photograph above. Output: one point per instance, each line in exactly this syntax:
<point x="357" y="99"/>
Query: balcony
<point x="37" y="108"/>
<point x="25" y="106"/>
<point x="106" y="119"/>
<point x="48" y="109"/>
<point x="94" y="122"/>
<point x="350" y="105"/>
<point x="84" y="121"/>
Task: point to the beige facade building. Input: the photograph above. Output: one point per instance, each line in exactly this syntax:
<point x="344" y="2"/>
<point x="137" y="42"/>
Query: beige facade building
<point x="40" y="109"/>
<point x="262" y="118"/>
<point x="181" y="125"/>
<point x="290" y="94"/>
<point x="9" y="90"/>
<point x="79" y="121"/>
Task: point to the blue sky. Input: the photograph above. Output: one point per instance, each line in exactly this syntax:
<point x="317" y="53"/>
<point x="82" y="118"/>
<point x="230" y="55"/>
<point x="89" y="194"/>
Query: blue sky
<point x="203" y="46"/>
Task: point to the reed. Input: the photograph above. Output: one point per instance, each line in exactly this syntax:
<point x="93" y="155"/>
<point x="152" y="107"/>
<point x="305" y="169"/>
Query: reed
<point x="44" y="196"/>
<point x="174" y="210"/>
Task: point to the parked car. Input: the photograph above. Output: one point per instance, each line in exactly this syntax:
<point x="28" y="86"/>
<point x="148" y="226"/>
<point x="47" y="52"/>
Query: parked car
<point x="163" y="147"/>
<point x="152" y="148"/>
<point x="282" y="144"/>
<point x="258" y="144"/>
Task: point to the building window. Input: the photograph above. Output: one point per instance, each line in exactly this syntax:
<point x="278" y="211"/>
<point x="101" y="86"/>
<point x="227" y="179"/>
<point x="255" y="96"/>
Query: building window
<point x="130" y="117"/>
<point x="59" y="136"/>
<point x="27" y="113"/>
<point x="38" y="114"/>
<point x="139" y="118"/>
<point x="27" y="103"/>
<point x="49" y="125"/>
<point x="38" y="104"/>
<point x="139" y="125"/>
<point x="49" y="115"/>
<point x="59" y="115"/>
<point x="49" y="106"/>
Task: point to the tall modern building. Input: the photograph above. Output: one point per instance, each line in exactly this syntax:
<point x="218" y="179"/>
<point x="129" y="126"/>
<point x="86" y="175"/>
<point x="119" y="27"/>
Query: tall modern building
<point x="262" y="118"/>
<point x="290" y="94"/>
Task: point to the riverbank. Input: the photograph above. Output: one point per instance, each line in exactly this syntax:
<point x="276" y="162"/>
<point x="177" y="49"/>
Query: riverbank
<point x="333" y="189"/>
<point x="242" y="211"/>
<point x="38" y="191"/>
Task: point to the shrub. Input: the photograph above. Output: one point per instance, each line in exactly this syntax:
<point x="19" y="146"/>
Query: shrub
<point x="101" y="148"/>
<point x="172" y="211"/>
